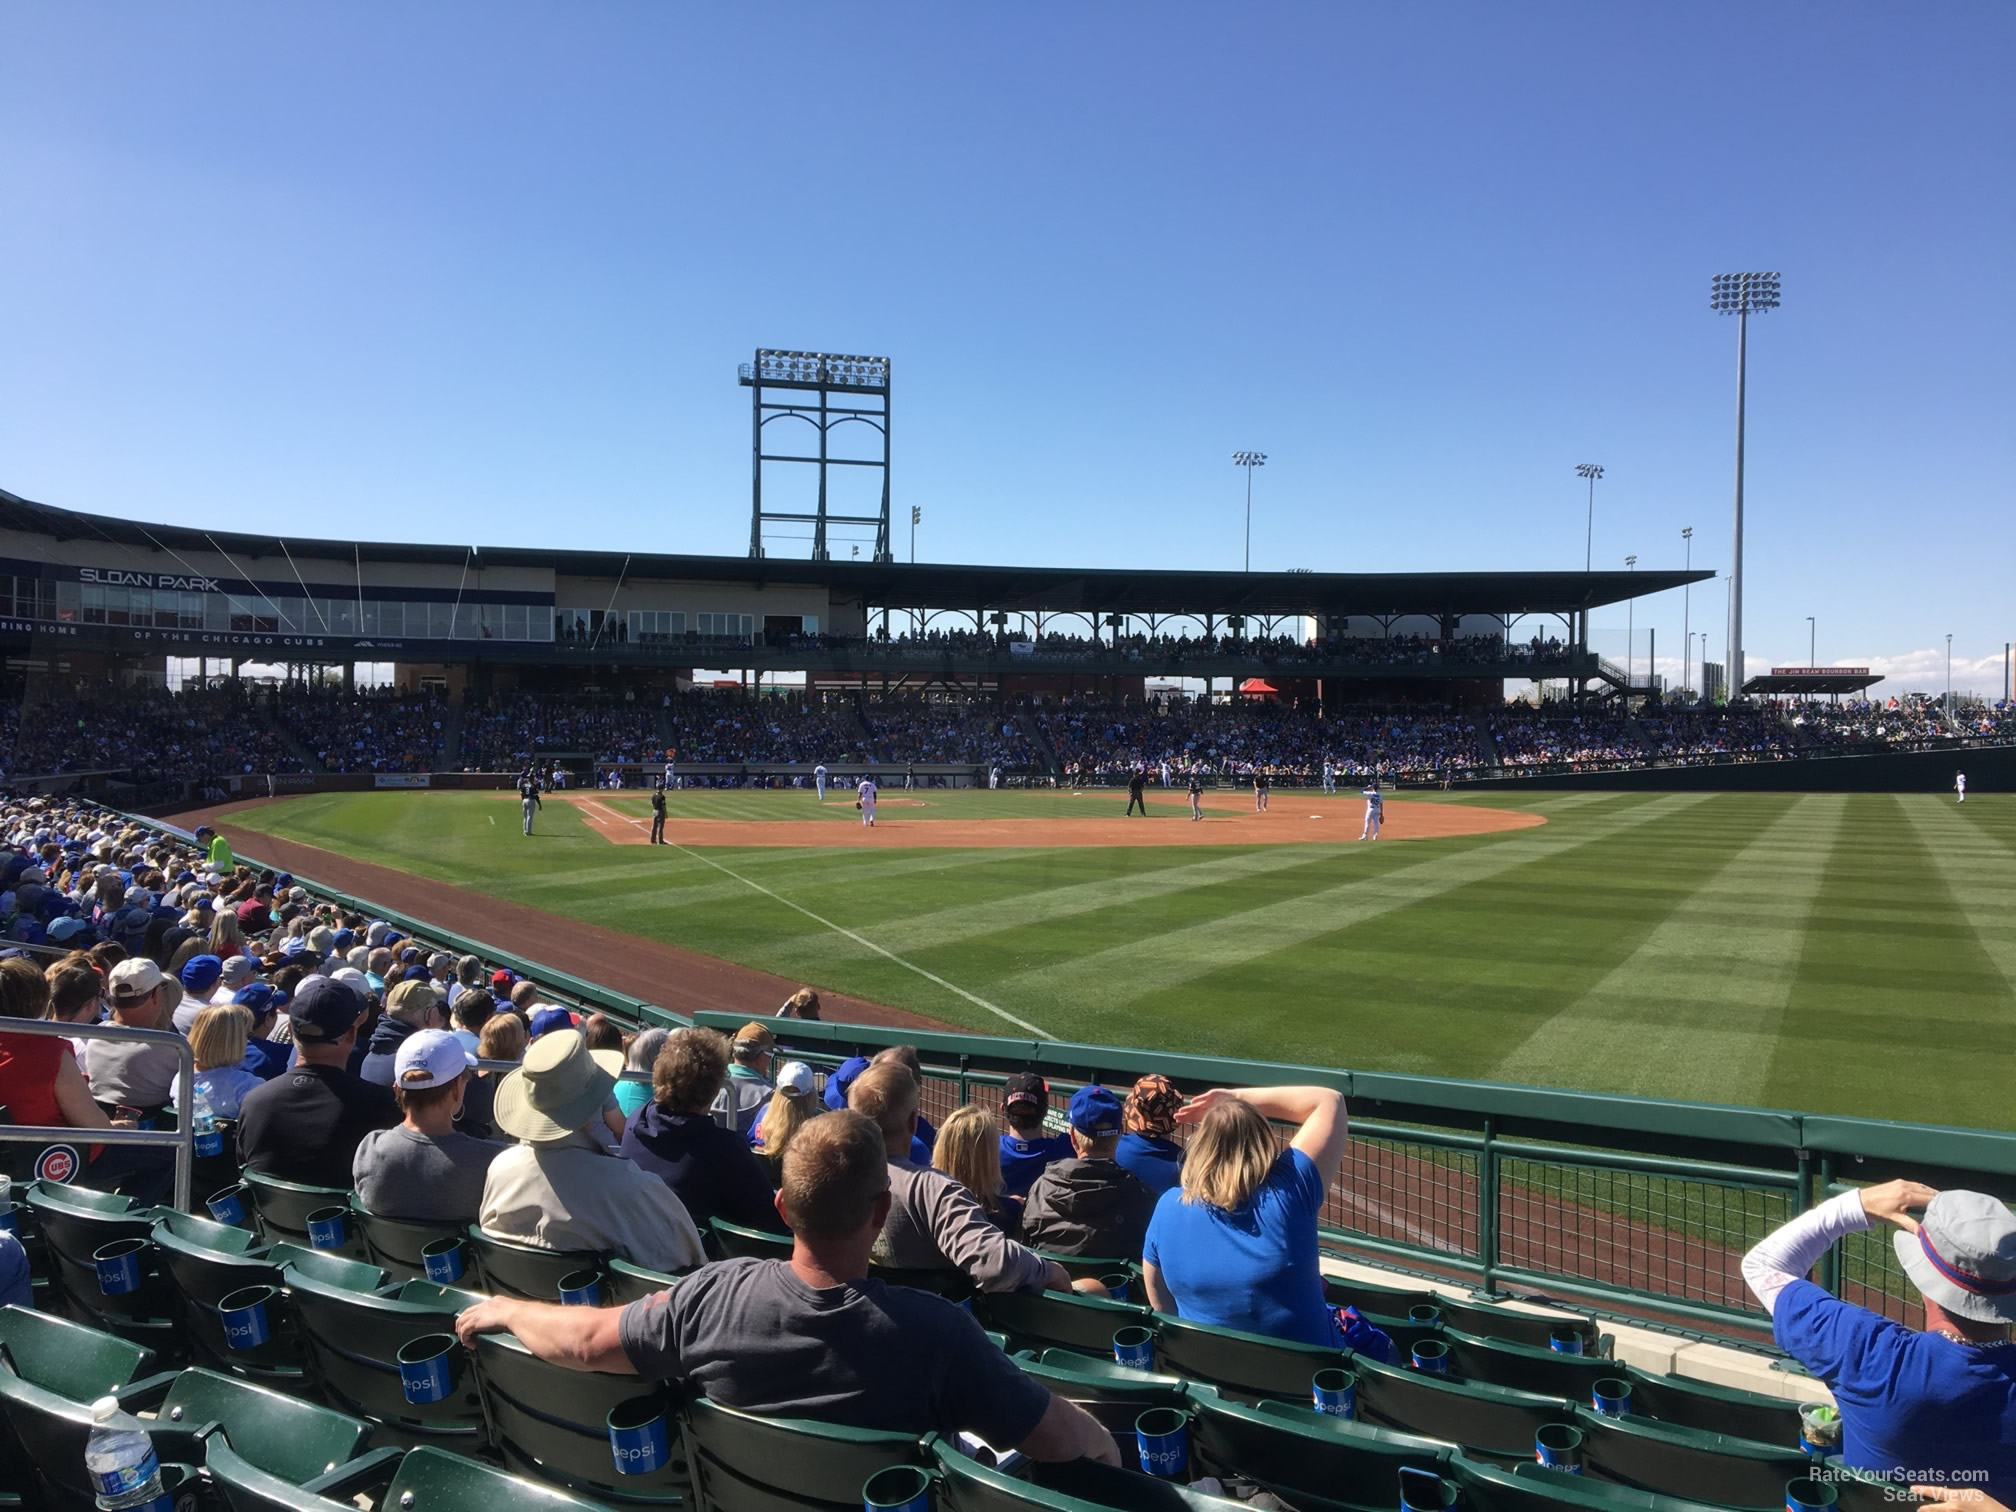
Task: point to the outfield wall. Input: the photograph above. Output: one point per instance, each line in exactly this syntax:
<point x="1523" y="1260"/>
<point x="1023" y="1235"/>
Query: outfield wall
<point x="1989" y="769"/>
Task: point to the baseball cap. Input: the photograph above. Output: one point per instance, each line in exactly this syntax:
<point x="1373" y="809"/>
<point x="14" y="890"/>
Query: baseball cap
<point x="409" y="955"/>
<point x="134" y="977"/>
<point x="324" y="1010"/>
<point x="354" y="979"/>
<point x="501" y="980"/>
<point x="440" y="961"/>
<point x="345" y="938"/>
<point x="237" y="971"/>
<point x="200" y="974"/>
<point x="794" y="1079"/>
<point x="374" y="933"/>
<point x="1151" y="1107"/>
<point x="546" y="1020"/>
<point x="416" y="973"/>
<point x="1095" y="1112"/>
<point x="259" y="997"/>
<point x="429" y="1058"/>
<point x="1964" y="1256"/>
<point x="1027" y="1089"/>
<point x="754" y="1039"/>
<point x="62" y="931"/>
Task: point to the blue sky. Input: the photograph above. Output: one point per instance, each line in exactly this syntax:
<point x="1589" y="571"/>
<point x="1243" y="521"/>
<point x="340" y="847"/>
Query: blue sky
<point x="483" y="272"/>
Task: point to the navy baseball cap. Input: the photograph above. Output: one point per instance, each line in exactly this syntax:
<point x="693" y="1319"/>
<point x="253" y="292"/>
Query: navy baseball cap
<point x="325" y="1007"/>
<point x="1095" y="1112"/>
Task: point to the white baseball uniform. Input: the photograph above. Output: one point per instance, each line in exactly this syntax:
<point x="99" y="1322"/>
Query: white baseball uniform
<point x="1375" y="811"/>
<point x="867" y="791"/>
<point x="819" y="780"/>
<point x="1165" y="774"/>
<point x="1960" y="785"/>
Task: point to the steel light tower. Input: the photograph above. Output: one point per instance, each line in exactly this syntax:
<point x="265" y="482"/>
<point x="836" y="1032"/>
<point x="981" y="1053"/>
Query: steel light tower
<point x="1630" y="635"/>
<point x="1686" y="620"/>
<point x="916" y="514"/>
<point x="1249" y="460"/>
<point x="1812" y="642"/>
<point x="1741" y="295"/>
<point x="1949" y="674"/>
<point x="1592" y="472"/>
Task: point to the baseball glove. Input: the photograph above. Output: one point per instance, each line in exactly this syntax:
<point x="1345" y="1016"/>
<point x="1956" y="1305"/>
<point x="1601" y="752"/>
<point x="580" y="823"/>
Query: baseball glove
<point x="857" y="803"/>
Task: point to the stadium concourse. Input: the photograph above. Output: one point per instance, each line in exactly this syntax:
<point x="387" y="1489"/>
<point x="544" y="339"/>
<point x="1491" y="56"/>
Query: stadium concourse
<point x="777" y="1251"/>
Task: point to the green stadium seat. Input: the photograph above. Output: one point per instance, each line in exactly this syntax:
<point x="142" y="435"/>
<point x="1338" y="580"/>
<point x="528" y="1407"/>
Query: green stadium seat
<point x="281" y="1209"/>
<point x="423" y="1478"/>
<point x="71" y="1359"/>
<point x="282" y="1435"/>
<point x="510" y="1269"/>
<point x="1370" y="1297"/>
<point x="1405" y="1332"/>
<point x="1714" y="1409"/>
<point x="394" y="1244"/>
<point x="623" y="1282"/>
<point x="73" y="1227"/>
<point x="1065" y="1320"/>
<point x="1244" y="1365"/>
<point x="1078" y="1267"/>
<point x="965" y="1485"/>
<point x="1314" y="1463"/>
<point x="1527" y="1368"/>
<point x="1489" y="1320"/>
<point x="43" y="1430"/>
<point x="744" y="1463"/>
<point x="353" y="1339"/>
<point x="1535" y="1488"/>
<point x="737" y="1242"/>
<point x="953" y="1285"/>
<point x="205" y="1262"/>
<point x="551" y="1423"/>
<point x="1686" y="1462"/>
<point x="1496" y="1421"/>
<point x="1086" y="1379"/>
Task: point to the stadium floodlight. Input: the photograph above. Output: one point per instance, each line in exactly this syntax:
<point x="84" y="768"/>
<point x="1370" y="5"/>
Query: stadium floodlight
<point x="916" y="514"/>
<point x="1630" y="632"/>
<point x="1686" y="621"/>
<point x="1741" y="295"/>
<point x="1249" y="460"/>
<point x="1592" y="472"/>
<point x="1812" y="642"/>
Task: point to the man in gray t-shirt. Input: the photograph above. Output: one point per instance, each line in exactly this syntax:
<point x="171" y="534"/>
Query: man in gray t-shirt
<point x="423" y="1169"/>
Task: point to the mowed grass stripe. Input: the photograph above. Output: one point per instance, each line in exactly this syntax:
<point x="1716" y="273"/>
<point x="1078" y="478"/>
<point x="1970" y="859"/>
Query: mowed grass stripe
<point x="1694" y="1011"/>
<point x="1163" y="961"/>
<point x="1979" y="874"/>
<point x="1898" y="1011"/>
<point x="685" y="881"/>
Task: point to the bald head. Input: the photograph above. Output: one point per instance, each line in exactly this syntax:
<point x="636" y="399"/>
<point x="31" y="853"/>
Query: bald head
<point x="888" y="1094"/>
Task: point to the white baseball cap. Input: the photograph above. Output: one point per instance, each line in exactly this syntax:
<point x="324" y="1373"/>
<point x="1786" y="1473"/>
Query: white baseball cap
<point x="429" y="1058"/>
<point x="794" y="1079"/>
<point x="134" y="977"/>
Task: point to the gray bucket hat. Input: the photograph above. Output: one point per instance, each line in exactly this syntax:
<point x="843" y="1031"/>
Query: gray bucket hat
<point x="1964" y="1256"/>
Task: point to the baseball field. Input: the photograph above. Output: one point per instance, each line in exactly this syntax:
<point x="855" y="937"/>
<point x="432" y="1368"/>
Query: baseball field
<point x="1852" y="954"/>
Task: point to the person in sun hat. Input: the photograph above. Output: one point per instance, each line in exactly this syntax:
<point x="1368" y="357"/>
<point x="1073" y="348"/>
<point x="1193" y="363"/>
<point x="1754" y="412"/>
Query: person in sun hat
<point x="1935" y="1404"/>
<point x="561" y="1187"/>
<point x="422" y="1168"/>
<point x="305" y="1125"/>
<point x="1148" y="1148"/>
<point x="1089" y="1205"/>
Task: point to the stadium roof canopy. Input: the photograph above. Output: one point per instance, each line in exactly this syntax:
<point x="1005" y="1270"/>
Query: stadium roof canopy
<point x="937" y="585"/>
<point x="1812" y="682"/>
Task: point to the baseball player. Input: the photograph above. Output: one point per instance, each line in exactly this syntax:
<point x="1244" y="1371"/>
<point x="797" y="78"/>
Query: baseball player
<point x="1960" y="785"/>
<point x="1259" y="792"/>
<point x="1329" y="775"/>
<point x="658" y="812"/>
<point x="994" y="777"/>
<point x="671" y="772"/>
<point x="1135" y="782"/>
<point x="528" y="796"/>
<point x="909" y="775"/>
<point x="819" y="780"/>
<point x="866" y="802"/>
<point x="1375" y="811"/>
<point x="1196" y="794"/>
<point x="1165" y="771"/>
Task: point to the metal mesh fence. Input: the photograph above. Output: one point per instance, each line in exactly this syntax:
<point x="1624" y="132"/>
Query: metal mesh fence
<point x="1407" y="1192"/>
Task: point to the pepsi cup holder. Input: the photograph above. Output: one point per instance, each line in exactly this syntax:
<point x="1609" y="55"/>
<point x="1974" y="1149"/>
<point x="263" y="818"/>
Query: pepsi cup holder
<point x="1334" y="1393"/>
<point x="1117" y="1287"/>
<point x="1819" y="1429"/>
<point x="1427" y="1313"/>
<point x="899" y="1488"/>
<point x="428" y="1367"/>
<point x="1565" y="1340"/>
<point x="329" y="1228"/>
<point x="581" y="1288"/>
<point x="640" y="1437"/>
<point x="208" y="1146"/>
<point x="1809" y="1494"/>
<point x="118" y="1263"/>
<point x="228" y="1206"/>
<point x="444" y="1261"/>
<point x="1558" y="1446"/>
<point x="243" y="1316"/>
<point x="1135" y="1348"/>
<point x="1431" y="1357"/>
<point x="1611" y="1397"/>
<point x="1162" y="1439"/>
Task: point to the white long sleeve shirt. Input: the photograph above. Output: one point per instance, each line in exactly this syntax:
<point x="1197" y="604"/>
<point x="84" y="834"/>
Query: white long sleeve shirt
<point x="1789" y="1252"/>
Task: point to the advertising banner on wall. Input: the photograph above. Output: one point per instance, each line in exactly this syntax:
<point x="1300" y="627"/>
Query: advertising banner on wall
<point x="403" y="780"/>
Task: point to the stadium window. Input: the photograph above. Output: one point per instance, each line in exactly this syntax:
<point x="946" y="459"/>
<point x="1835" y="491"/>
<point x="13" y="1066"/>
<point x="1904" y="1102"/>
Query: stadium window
<point x="343" y="617"/>
<point x="438" y="616"/>
<point x="93" y="606"/>
<point x="167" y="609"/>
<point x="539" y="622"/>
<point x="515" y="622"/>
<point x="190" y="616"/>
<point x="392" y="617"/>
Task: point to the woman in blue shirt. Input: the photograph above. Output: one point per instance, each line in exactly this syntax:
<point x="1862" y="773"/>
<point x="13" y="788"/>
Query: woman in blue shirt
<point x="1235" y="1243"/>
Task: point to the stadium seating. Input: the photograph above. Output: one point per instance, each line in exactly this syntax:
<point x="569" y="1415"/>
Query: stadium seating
<point x="1067" y="1320"/>
<point x="742" y="1463"/>
<point x="74" y="1224"/>
<point x="733" y="1239"/>
<point x="524" y="1270"/>
<point x="1244" y="1365"/>
<point x="1494" y="1421"/>
<point x="1686" y="1462"/>
<point x="1315" y="1463"/>
<point x="394" y="1244"/>
<point x="422" y="1478"/>
<point x="281" y="1210"/>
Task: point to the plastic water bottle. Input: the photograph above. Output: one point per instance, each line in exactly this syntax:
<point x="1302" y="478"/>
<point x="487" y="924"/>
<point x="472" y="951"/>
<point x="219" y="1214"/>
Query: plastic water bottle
<point x="203" y="1124"/>
<point x="119" y="1460"/>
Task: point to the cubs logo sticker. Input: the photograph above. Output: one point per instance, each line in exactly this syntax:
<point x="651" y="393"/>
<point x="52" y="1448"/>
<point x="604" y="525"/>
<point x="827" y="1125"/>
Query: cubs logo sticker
<point x="58" y="1163"/>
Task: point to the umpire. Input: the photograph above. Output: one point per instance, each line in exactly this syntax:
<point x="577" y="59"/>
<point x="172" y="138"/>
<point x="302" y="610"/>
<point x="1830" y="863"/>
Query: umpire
<point x="1134" y="799"/>
<point x="658" y="812"/>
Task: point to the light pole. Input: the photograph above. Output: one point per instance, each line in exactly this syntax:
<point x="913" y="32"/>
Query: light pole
<point x="1686" y="621"/>
<point x="916" y="514"/>
<point x="1949" y="674"/>
<point x="1249" y="460"/>
<point x="1592" y="472"/>
<point x="1741" y="295"/>
<point x="1630" y="638"/>
<point x="1812" y="643"/>
<point x="1728" y="691"/>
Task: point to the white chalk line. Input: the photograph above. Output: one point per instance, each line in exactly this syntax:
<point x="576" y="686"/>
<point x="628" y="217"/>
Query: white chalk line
<point x="868" y="944"/>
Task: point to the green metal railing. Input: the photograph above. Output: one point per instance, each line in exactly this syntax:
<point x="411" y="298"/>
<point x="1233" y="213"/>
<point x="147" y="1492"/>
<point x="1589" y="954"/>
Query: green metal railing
<point x="1640" y="1206"/>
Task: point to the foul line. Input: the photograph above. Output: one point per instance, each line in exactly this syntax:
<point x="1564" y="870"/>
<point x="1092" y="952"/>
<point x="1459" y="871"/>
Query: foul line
<point x="929" y="976"/>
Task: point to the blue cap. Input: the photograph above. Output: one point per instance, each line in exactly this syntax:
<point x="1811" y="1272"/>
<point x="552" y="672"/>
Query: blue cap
<point x="546" y="1020"/>
<point x="416" y="973"/>
<point x="1095" y="1112"/>
<point x="345" y="938"/>
<point x="259" y="997"/>
<point x="842" y="1080"/>
<point x="200" y="974"/>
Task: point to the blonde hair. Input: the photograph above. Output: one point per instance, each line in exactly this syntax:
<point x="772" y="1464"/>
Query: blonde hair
<point x="969" y="1151"/>
<point x="785" y="1116"/>
<point x="1228" y="1157"/>
<point x="503" y="1038"/>
<point x="218" y="1036"/>
<point x="225" y="933"/>
<point x="887" y="1093"/>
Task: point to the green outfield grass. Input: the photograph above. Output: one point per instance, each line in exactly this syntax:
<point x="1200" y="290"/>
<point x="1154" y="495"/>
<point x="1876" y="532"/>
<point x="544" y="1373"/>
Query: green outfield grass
<point x="1852" y="954"/>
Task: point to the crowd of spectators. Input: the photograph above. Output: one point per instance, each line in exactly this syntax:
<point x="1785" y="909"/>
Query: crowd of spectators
<point x="783" y="727"/>
<point x="922" y="730"/>
<point x="1053" y="647"/>
<point x="199" y="735"/>
<point x="523" y="728"/>
<point x="365" y="732"/>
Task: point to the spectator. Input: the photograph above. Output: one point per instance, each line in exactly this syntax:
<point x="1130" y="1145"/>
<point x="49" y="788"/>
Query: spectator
<point x="234" y="977"/>
<point x="561" y="1187"/>
<point x="227" y="936"/>
<point x="409" y="1008"/>
<point x="935" y="1223"/>
<point x="1941" y="1402"/>
<point x="792" y="1106"/>
<point x="17" y="1286"/>
<point x="39" y="1079"/>
<point x="841" y="1081"/>
<point x="1025" y="1148"/>
<point x="802" y="1004"/>
<point x="199" y="976"/>
<point x="265" y="1056"/>
<point x="816" y="1336"/>
<point x="675" y="1137"/>
<point x="219" y="1038"/>
<point x="75" y="995"/>
<point x="468" y="975"/>
<point x="469" y="1010"/>
<point x="1235" y="1245"/>
<point x="503" y="1040"/>
<point x="969" y="1151"/>
<point x="1148" y="1149"/>
<point x="1089" y="1205"/>
<point x="749" y="1086"/>
<point x="132" y="1074"/>
<point x="305" y="1126"/>
<point x="217" y="850"/>
<point x="927" y="1136"/>
<point x="603" y="1033"/>
<point x="641" y="1056"/>
<point x="422" y="1168"/>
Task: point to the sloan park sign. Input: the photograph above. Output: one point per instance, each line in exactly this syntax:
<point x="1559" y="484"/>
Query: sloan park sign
<point x="120" y="577"/>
